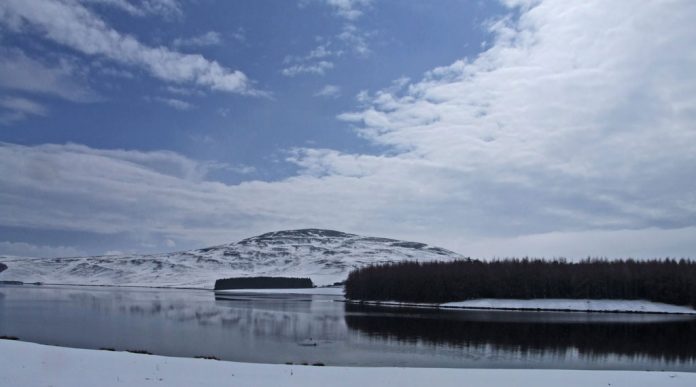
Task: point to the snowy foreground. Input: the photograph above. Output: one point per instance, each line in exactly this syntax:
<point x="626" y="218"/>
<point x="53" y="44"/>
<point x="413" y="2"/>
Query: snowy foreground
<point x="27" y="365"/>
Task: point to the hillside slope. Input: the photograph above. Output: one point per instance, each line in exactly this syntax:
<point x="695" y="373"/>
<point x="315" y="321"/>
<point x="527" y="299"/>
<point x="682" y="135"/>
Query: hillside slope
<point x="326" y="256"/>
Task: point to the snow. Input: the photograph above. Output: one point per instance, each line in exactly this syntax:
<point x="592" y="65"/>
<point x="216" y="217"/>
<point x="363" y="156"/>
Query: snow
<point x="579" y="305"/>
<point x="33" y="365"/>
<point x="325" y="256"/>
<point x="574" y="305"/>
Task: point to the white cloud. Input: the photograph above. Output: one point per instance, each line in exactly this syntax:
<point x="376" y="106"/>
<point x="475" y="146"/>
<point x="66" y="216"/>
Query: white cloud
<point x="19" y="72"/>
<point x="560" y="125"/>
<point x="71" y="24"/>
<point x="165" y="8"/>
<point x="114" y="252"/>
<point x="22" y="249"/>
<point x="23" y="105"/>
<point x="184" y="91"/>
<point x="352" y="36"/>
<point x="318" y="68"/>
<point x="210" y="38"/>
<point x="175" y="103"/>
<point x="323" y="51"/>
<point x="350" y="39"/>
<point x="328" y="91"/>
<point x="349" y="9"/>
<point x="650" y="242"/>
<point x="363" y="96"/>
<point x="239" y="35"/>
<point x="317" y="61"/>
<point x="118" y="73"/>
<point x="76" y="188"/>
<point x="123" y="5"/>
<point x="19" y="108"/>
<point x="355" y="39"/>
<point x="574" y="129"/>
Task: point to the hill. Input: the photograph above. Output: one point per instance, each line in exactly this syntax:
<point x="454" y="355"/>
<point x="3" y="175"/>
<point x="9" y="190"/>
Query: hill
<point x="325" y="256"/>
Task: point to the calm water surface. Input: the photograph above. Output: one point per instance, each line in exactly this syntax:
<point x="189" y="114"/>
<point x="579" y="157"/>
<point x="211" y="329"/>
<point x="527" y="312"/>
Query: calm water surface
<point x="314" y="328"/>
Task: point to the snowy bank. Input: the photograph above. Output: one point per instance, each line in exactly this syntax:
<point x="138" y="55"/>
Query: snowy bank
<point x="28" y="365"/>
<point x="583" y="305"/>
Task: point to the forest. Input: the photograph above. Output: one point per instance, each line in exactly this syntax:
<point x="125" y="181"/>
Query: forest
<point x="660" y="280"/>
<point x="263" y="283"/>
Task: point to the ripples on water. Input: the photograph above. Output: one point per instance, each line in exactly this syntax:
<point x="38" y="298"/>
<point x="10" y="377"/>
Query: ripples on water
<point x="306" y="328"/>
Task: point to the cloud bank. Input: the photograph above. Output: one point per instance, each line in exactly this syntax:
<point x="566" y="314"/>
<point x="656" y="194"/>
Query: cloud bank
<point x="572" y="134"/>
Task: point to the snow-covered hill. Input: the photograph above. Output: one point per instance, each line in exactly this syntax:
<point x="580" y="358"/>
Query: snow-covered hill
<point x="326" y="256"/>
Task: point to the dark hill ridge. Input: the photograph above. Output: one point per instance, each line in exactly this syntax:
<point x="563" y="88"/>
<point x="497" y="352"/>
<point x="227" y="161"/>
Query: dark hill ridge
<point x="325" y="256"/>
<point x="320" y="236"/>
<point x="301" y="233"/>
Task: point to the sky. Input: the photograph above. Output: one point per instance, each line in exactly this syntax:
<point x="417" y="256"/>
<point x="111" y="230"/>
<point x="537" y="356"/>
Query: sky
<point x="541" y="128"/>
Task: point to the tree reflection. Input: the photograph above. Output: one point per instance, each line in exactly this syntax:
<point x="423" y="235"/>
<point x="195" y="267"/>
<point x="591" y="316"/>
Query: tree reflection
<point x="672" y="340"/>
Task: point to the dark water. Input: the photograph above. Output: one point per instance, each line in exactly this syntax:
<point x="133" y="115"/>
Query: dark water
<point x="305" y="328"/>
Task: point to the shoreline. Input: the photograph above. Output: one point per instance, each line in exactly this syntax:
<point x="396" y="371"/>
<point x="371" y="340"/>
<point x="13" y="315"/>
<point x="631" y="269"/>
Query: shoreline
<point x="672" y="310"/>
<point x="33" y="364"/>
<point x="471" y="305"/>
<point x="105" y="285"/>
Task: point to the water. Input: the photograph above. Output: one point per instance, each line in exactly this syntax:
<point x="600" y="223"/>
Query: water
<point x="313" y="328"/>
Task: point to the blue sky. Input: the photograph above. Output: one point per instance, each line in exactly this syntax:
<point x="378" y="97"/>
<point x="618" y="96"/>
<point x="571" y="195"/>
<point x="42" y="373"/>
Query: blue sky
<point x="278" y="45"/>
<point x="491" y="128"/>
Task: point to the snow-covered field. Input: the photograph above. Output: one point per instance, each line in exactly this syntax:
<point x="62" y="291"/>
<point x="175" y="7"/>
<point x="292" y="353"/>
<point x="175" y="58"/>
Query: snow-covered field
<point x="325" y="256"/>
<point x="34" y="365"/>
<point x="633" y="306"/>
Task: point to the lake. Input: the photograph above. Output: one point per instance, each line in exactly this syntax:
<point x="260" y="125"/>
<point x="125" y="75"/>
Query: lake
<point x="273" y="328"/>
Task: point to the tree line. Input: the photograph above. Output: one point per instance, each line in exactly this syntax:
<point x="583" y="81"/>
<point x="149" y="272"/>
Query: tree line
<point x="263" y="283"/>
<point x="660" y="280"/>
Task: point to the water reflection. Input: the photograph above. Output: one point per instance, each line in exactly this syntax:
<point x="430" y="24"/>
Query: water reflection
<point x="663" y="337"/>
<point x="277" y="328"/>
<point x="175" y="322"/>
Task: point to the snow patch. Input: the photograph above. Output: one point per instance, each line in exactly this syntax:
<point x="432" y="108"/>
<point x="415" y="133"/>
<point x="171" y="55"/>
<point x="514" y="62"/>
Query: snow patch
<point x="34" y="365"/>
<point x="580" y="305"/>
<point x="587" y="305"/>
